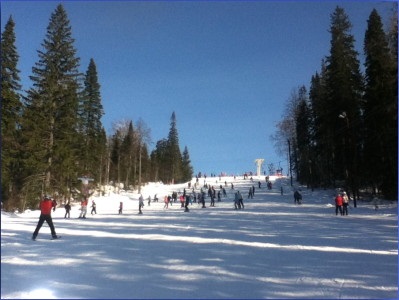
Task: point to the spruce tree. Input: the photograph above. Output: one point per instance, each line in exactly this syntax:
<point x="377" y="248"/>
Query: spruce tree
<point x="91" y="111"/>
<point x="51" y="109"/>
<point x="174" y="154"/>
<point x="10" y="115"/>
<point x="187" y="169"/>
<point x="322" y="156"/>
<point x="129" y="150"/>
<point x="160" y="162"/>
<point x="303" y="137"/>
<point x="344" y="91"/>
<point x="380" y="119"/>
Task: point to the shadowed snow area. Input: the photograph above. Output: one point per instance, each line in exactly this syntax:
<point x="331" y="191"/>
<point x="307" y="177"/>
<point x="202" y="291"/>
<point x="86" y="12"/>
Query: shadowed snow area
<point x="271" y="249"/>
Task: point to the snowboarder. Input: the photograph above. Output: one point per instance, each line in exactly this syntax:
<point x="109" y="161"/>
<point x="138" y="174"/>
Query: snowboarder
<point x="45" y="215"/>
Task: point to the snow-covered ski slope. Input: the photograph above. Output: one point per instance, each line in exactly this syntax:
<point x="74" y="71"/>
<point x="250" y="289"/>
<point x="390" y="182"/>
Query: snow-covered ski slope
<point x="271" y="249"/>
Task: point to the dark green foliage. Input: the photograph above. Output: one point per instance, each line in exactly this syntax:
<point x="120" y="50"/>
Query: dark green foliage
<point x="50" y="117"/>
<point x="344" y="92"/>
<point x="129" y="156"/>
<point x="173" y="152"/>
<point x="380" y="110"/>
<point x="303" y="138"/>
<point x="187" y="169"/>
<point x="91" y="129"/>
<point x="346" y="134"/>
<point x="167" y="162"/>
<point x="322" y="154"/>
<point x="10" y="117"/>
<point x="159" y="166"/>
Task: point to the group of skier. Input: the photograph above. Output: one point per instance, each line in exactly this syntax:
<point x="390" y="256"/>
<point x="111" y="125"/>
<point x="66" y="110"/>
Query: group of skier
<point x="341" y="203"/>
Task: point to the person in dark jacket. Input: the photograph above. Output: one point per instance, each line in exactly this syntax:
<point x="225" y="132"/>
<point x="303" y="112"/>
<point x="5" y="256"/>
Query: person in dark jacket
<point x="120" y="207"/>
<point x="67" y="210"/>
<point x="46" y="205"/>
<point x="93" y="208"/>
<point x="297" y="197"/>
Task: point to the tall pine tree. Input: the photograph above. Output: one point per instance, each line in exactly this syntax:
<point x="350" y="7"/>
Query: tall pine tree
<point x="174" y="154"/>
<point x="91" y="111"/>
<point x="344" y="88"/>
<point x="10" y="117"/>
<point x="303" y="138"/>
<point x="51" y="111"/>
<point x="323" y="154"/>
<point x="380" y="116"/>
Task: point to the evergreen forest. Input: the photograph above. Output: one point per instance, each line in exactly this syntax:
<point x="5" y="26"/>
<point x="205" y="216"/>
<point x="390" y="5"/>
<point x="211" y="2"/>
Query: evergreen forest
<point x="52" y="135"/>
<point x="343" y="131"/>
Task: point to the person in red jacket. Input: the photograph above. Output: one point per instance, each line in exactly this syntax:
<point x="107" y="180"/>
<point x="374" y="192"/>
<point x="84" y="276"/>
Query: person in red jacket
<point x="83" y="208"/>
<point x="338" y="204"/>
<point x="46" y="205"/>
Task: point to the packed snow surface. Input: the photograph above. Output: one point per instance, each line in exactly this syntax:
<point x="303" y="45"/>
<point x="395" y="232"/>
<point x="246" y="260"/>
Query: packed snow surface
<point x="271" y="249"/>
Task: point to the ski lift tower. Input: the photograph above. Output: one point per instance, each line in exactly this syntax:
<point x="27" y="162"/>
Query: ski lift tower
<point x="259" y="163"/>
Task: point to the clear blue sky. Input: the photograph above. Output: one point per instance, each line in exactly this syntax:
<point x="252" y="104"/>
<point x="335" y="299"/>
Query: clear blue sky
<point x="225" y="68"/>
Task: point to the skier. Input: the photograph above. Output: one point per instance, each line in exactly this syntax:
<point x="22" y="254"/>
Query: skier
<point x="236" y="201"/>
<point x="120" y="207"/>
<point x="45" y="215"/>
<point x="149" y="200"/>
<point x="345" y="203"/>
<point x="212" y="195"/>
<point x="297" y="197"/>
<point x="166" y="200"/>
<point x="141" y="204"/>
<point x="67" y="210"/>
<point x="83" y="208"/>
<point x="240" y="200"/>
<point x="186" y="204"/>
<point x="250" y="194"/>
<point x="93" y="208"/>
<point x="338" y="204"/>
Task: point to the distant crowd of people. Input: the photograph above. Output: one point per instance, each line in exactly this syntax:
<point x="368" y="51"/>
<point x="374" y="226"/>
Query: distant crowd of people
<point x="49" y="204"/>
